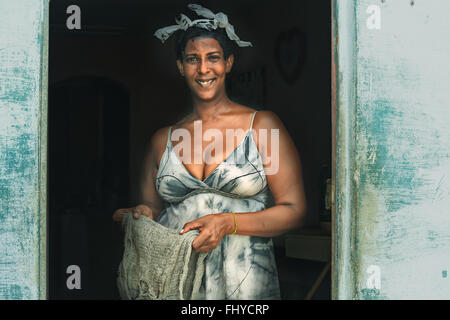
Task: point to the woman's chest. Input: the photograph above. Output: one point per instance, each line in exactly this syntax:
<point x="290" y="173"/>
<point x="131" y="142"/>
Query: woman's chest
<point x="202" y="151"/>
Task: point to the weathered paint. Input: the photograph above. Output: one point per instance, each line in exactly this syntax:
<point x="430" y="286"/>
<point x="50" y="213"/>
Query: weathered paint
<point x="23" y="134"/>
<point x="392" y="150"/>
<point x="343" y="104"/>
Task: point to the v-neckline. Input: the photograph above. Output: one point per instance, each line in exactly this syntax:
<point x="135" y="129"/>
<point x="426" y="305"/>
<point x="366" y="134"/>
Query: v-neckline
<point x="216" y="168"/>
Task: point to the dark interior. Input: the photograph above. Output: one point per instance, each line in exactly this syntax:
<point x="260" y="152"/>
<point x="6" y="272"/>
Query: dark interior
<point x="112" y="84"/>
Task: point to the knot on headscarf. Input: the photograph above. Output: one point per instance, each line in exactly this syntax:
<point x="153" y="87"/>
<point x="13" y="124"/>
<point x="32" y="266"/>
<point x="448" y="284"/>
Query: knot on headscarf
<point x="212" y="22"/>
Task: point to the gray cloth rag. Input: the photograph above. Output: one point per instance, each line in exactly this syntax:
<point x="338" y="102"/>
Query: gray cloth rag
<point x="158" y="263"/>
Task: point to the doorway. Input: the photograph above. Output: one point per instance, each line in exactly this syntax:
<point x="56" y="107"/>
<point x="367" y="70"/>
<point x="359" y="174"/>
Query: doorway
<point x="87" y="180"/>
<point x="116" y="45"/>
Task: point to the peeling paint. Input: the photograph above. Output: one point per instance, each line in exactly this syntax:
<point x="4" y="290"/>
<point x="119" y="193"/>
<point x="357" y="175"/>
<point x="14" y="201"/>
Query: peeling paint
<point x="23" y="68"/>
<point x="401" y="190"/>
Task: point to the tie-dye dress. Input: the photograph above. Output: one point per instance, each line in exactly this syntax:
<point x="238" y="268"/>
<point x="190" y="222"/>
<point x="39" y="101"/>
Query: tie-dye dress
<point x="241" y="267"/>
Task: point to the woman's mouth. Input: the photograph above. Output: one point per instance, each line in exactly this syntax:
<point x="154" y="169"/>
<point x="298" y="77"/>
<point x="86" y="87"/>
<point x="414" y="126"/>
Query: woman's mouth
<point x="205" y="83"/>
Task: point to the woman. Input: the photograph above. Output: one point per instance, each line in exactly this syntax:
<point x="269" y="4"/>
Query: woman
<point x="239" y="198"/>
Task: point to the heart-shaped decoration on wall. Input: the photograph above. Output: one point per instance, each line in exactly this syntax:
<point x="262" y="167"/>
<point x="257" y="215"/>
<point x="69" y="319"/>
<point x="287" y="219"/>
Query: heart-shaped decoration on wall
<point x="290" y="54"/>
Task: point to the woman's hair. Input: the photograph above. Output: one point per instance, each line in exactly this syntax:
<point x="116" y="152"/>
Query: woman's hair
<point x="228" y="46"/>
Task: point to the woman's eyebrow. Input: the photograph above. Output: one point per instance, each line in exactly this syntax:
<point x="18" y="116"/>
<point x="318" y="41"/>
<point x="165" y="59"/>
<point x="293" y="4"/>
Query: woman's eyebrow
<point x="195" y="54"/>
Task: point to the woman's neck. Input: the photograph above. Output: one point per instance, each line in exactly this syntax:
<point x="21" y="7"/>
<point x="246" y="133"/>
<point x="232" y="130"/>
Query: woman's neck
<point x="207" y="110"/>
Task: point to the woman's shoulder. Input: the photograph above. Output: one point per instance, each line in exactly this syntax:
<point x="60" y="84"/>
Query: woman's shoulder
<point x="159" y="139"/>
<point x="266" y="119"/>
<point x="237" y="107"/>
<point x="263" y="119"/>
<point x="260" y="112"/>
<point x="161" y="135"/>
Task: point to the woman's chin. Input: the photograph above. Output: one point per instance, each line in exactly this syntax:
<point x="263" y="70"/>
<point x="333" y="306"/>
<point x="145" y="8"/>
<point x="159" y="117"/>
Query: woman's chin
<point x="205" y="96"/>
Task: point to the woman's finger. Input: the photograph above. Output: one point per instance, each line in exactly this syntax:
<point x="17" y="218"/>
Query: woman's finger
<point x="205" y="247"/>
<point x="142" y="210"/>
<point x="190" y="226"/>
<point x="118" y="214"/>
<point x="137" y="212"/>
<point x="200" y="241"/>
<point x="203" y="250"/>
<point x="147" y="214"/>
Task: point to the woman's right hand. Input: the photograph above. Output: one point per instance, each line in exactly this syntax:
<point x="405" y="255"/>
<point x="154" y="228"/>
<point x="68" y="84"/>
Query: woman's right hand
<point x="140" y="210"/>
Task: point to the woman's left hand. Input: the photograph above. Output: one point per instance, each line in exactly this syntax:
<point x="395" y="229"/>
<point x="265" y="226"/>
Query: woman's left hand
<point x="213" y="228"/>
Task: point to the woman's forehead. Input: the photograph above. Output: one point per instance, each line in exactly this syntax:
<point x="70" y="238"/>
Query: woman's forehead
<point x="202" y="44"/>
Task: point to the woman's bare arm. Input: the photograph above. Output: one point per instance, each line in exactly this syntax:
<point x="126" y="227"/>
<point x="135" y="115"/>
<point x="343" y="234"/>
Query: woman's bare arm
<point x="148" y="194"/>
<point x="285" y="181"/>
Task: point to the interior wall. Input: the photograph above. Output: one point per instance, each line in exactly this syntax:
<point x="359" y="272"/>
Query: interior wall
<point x="147" y="68"/>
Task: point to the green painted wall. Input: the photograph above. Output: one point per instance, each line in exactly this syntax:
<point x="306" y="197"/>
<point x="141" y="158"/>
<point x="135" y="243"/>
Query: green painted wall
<point x="392" y="205"/>
<point x="23" y="127"/>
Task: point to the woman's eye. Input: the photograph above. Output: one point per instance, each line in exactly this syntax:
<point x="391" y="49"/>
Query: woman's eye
<point x="191" y="60"/>
<point x="196" y="60"/>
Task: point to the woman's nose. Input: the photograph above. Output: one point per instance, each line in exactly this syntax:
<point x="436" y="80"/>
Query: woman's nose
<point x="203" y="67"/>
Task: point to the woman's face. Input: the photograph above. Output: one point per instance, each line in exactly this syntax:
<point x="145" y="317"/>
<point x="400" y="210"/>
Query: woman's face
<point x="205" y="67"/>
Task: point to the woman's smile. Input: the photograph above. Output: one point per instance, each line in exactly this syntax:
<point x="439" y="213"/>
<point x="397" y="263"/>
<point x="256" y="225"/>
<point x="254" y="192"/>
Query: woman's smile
<point x="206" y="83"/>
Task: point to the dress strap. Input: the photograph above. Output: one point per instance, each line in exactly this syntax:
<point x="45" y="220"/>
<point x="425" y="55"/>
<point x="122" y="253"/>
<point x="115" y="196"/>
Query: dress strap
<point x="169" y="134"/>
<point x="253" y="118"/>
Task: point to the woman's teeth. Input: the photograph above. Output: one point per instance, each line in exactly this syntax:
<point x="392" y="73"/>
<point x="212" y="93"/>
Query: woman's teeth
<point x="205" y="83"/>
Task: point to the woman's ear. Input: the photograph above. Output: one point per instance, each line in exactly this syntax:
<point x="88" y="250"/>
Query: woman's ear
<point x="180" y="67"/>
<point x="229" y="63"/>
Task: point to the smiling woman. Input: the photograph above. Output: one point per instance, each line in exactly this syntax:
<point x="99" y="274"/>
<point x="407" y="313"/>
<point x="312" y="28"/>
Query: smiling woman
<point x="207" y="71"/>
<point x="235" y="202"/>
<point x="204" y="67"/>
